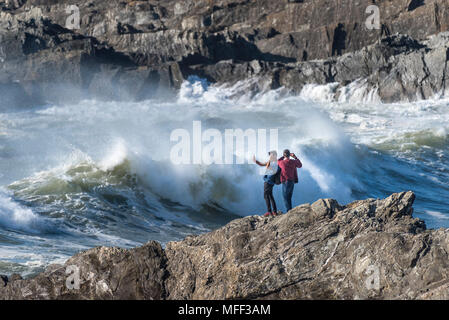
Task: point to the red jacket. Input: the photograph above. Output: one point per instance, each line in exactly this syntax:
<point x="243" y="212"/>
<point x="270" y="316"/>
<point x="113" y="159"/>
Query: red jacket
<point x="288" y="169"/>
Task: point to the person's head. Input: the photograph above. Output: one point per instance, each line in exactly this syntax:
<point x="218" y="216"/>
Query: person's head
<point x="287" y="153"/>
<point x="273" y="155"/>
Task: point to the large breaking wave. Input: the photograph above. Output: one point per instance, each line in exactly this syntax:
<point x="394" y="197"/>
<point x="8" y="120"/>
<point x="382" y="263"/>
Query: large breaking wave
<point x="98" y="173"/>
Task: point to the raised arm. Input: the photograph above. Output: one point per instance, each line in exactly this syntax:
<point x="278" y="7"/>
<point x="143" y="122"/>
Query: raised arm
<point x="298" y="163"/>
<point x="262" y="164"/>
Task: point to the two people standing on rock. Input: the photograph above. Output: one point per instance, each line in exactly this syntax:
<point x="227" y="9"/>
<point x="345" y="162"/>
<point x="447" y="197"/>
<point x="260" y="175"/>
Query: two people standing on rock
<point x="279" y="171"/>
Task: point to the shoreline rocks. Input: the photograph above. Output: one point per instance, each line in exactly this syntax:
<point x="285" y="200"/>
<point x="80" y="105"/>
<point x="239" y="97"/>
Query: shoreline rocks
<point x="136" y="50"/>
<point x="369" y="249"/>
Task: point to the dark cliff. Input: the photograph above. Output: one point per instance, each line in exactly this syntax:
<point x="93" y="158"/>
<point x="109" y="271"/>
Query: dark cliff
<point x="139" y="49"/>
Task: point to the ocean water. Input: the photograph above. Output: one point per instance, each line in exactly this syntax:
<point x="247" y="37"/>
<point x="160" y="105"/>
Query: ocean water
<point x="94" y="173"/>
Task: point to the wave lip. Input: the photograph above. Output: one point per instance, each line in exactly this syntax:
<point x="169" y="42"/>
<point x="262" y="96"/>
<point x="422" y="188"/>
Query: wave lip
<point x="15" y="216"/>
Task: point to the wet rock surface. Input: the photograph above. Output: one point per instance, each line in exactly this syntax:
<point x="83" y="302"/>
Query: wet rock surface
<point x="370" y="249"/>
<point x="134" y="50"/>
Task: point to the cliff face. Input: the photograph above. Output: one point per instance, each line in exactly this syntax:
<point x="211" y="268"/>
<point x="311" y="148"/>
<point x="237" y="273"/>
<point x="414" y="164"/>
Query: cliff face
<point x="137" y="49"/>
<point x="371" y="249"/>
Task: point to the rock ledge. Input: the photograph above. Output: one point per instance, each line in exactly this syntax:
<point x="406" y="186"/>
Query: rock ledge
<point x="370" y="249"/>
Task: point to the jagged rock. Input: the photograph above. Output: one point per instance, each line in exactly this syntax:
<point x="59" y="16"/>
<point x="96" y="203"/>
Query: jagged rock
<point x="370" y="249"/>
<point x="49" y="57"/>
<point x="224" y="41"/>
<point x="398" y="68"/>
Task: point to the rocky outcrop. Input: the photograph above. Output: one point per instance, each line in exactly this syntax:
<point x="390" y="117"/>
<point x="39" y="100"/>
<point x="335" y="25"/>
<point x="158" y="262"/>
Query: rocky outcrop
<point x="397" y="68"/>
<point x="134" y="50"/>
<point x="370" y="249"/>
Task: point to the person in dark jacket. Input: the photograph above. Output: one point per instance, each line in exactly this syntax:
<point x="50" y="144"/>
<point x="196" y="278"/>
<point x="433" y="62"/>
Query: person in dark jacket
<point x="289" y="164"/>
<point x="269" y="182"/>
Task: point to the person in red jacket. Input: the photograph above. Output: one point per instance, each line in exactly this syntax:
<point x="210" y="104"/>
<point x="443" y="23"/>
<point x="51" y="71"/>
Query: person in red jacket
<point x="289" y="176"/>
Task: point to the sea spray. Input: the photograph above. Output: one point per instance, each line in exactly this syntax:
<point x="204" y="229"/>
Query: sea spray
<point x="99" y="173"/>
<point x="13" y="215"/>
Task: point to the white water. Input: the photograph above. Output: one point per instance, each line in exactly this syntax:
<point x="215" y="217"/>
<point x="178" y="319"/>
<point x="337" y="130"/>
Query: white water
<point x="98" y="173"/>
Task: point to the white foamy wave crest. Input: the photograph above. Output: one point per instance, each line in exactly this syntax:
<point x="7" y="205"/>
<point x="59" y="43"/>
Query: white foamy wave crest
<point x="319" y="92"/>
<point x="116" y="156"/>
<point x="249" y="91"/>
<point x="231" y="187"/>
<point x="197" y="89"/>
<point x="13" y="215"/>
<point x="358" y="91"/>
<point x="257" y="91"/>
<point x="437" y="215"/>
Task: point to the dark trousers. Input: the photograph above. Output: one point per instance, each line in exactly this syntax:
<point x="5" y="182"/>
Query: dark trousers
<point x="268" y="196"/>
<point x="287" y="193"/>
